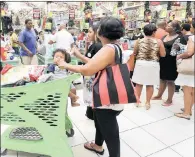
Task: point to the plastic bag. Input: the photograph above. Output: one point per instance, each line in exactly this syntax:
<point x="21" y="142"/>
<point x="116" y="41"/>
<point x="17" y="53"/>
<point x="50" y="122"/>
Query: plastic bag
<point x="6" y="68"/>
<point x="35" y="72"/>
<point x="87" y="90"/>
<point x="15" y="74"/>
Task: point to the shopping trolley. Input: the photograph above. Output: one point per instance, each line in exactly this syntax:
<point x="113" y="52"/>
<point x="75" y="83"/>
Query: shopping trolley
<point x="37" y="115"/>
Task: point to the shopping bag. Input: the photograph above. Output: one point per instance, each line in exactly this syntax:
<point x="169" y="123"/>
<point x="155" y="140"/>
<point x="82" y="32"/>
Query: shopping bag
<point x="186" y="66"/>
<point x="113" y="84"/>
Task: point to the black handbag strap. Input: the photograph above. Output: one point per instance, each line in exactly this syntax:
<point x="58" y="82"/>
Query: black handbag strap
<point x="118" y="51"/>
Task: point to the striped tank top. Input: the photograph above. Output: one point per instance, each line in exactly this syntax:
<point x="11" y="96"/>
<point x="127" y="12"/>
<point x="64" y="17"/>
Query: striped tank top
<point x="148" y="49"/>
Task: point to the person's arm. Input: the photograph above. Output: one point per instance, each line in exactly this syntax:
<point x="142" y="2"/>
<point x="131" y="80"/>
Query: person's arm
<point x="71" y="39"/>
<point x="162" y="51"/>
<point x="189" y="52"/>
<point x="53" y="39"/>
<point x="135" y="51"/>
<point x="131" y="62"/>
<point x="94" y="65"/>
<point x="78" y="54"/>
<point x="21" y="43"/>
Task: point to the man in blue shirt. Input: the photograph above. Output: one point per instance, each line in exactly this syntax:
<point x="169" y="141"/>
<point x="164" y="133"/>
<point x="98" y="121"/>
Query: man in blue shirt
<point x="27" y="41"/>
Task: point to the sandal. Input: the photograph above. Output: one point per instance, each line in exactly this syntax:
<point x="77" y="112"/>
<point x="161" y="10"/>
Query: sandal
<point x="181" y="115"/>
<point x="182" y="109"/>
<point x="148" y="106"/>
<point x="165" y="104"/>
<point x="137" y="105"/>
<point x="89" y="146"/>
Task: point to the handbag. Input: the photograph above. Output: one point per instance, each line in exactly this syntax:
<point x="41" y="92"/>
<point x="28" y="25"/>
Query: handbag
<point x="186" y="66"/>
<point x="113" y="84"/>
<point x="89" y="112"/>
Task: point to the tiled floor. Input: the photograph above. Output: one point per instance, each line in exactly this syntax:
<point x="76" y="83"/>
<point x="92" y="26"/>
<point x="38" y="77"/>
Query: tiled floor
<point x="153" y="133"/>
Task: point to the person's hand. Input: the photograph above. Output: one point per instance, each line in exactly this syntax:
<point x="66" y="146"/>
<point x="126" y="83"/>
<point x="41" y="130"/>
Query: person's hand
<point x="75" y="51"/>
<point x="61" y="64"/>
<point x="30" y="54"/>
<point x="75" y="98"/>
<point x="178" y="57"/>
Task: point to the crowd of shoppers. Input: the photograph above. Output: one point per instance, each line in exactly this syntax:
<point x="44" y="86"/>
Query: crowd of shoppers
<point x="153" y="64"/>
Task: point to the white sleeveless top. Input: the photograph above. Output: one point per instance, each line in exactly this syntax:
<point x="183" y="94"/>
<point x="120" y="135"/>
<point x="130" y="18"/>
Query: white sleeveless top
<point x="192" y="38"/>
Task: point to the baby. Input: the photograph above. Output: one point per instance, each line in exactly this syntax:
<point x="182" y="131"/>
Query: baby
<point x="60" y="73"/>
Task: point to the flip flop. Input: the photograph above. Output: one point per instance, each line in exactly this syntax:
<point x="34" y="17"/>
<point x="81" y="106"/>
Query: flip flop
<point x="182" y="109"/>
<point x="181" y="115"/>
<point x="165" y="104"/>
<point x="148" y="106"/>
<point x="92" y="149"/>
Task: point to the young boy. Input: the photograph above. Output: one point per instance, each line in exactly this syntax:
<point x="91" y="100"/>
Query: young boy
<point x="60" y="73"/>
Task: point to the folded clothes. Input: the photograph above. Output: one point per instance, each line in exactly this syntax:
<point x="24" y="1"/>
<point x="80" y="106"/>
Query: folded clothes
<point x="45" y="77"/>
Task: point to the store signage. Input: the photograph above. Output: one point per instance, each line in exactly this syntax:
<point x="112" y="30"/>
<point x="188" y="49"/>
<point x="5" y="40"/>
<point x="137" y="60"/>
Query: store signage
<point x="163" y="13"/>
<point x="29" y="4"/>
<point x="176" y="4"/>
<point x="36" y="13"/>
<point x="71" y="13"/>
<point x="98" y="4"/>
<point x="154" y="3"/>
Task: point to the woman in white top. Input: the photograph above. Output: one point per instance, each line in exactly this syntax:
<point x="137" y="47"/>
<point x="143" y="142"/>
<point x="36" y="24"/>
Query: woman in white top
<point x="105" y="119"/>
<point x="187" y="81"/>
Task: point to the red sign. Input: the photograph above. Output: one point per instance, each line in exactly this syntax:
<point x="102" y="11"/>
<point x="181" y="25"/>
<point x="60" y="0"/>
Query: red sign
<point x="36" y="13"/>
<point x="175" y="3"/>
<point x="154" y="3"/>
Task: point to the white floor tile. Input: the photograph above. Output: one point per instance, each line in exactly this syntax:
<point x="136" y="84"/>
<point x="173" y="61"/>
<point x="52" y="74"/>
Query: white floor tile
<point x="80" y="151"/>
<point x="77" y="139"/>
<point x="77" y="114"/>
<point x="185" y="148"/>
<point x="157" y="112"/>
<point x="126" y="151"/>
<point x="87" y="128"/>
<point x="165" y="153"/>
<point x="138" y="117"/>
<point x="171" y="130"/>
<point x="142" y="142"/>
<point x="178" y="103"/>
<point x="125" y="123"/>
<point x="141" y="116"/>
